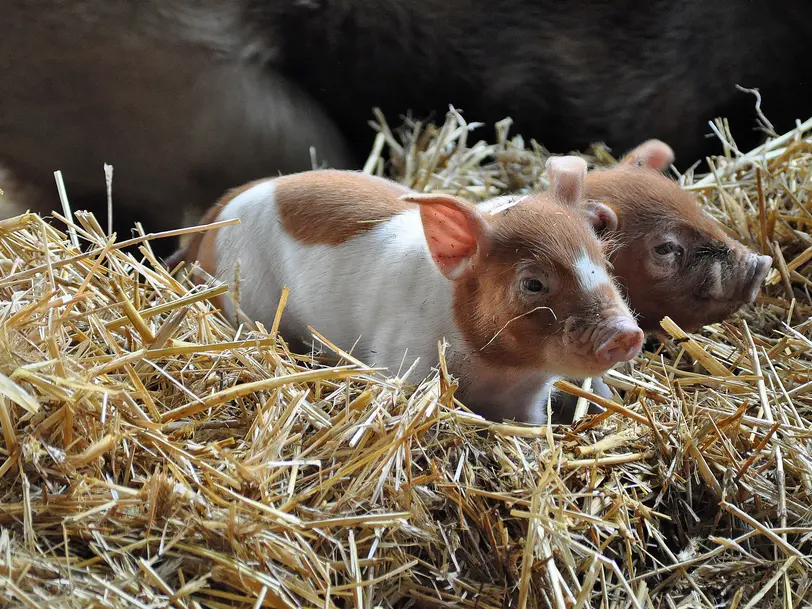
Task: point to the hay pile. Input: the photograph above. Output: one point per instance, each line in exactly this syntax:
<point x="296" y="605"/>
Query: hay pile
<point x="152" y="456"/>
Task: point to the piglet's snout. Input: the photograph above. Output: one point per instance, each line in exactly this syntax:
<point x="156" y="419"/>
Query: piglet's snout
<point x="758" y="268"/>
<point x="623" y="343"/>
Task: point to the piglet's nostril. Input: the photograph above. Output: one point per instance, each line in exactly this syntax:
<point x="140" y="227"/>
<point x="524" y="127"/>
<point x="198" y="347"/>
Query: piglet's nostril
<point x="761" y="266"/>
<point x="623" y="344"/>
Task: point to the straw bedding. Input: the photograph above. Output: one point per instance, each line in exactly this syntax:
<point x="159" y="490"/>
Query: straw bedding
<point x="153" y="456"/>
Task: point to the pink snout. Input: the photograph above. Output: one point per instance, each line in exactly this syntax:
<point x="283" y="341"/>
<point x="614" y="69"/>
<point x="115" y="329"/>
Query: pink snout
<point x="623" y="344"/>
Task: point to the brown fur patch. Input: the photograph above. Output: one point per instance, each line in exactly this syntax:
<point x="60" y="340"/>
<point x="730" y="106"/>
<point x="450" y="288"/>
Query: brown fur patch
<point x="323" y="206"/>
<point x="645" y="200"/>
<point x="330" y="207"/>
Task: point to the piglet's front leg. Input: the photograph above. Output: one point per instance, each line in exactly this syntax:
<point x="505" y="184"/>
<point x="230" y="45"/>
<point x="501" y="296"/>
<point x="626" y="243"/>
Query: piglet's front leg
<point x="506" y="395"/>
<point x="600" y="388"/>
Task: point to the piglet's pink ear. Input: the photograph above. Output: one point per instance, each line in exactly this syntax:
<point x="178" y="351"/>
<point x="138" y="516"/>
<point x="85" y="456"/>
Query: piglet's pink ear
<point x="456" y="232"/>
<point x="567" y="175"/>
<point x="653" y="154"/>
<point x="602" y="217"/>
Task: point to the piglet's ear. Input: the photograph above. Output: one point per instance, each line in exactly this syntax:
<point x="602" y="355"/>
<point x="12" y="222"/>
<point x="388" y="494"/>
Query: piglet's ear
<point x="567" y="175"/>
<point x="456" y="232"/>
<point x="602" y="217"/>
<point x="653" y="154"/>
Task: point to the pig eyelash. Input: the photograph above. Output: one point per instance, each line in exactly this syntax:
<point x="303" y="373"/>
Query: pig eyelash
<point x="527" y="267"/>
<point x="669" y="247"/>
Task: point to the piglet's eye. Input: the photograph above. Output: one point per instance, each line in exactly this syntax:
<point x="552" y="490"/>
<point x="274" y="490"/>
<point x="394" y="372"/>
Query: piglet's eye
<point x="669" y="247"/>
<point x="533" y="286"/>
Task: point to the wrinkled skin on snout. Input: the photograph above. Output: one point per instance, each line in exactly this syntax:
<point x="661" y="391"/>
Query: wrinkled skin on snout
<point x="604" y="334"/>
<point x="669" y="256"/>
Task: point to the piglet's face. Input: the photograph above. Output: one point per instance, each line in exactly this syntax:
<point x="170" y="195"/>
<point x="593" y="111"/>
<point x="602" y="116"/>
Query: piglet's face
<point x="670" y="257"/>
<point x="532" y="289"/>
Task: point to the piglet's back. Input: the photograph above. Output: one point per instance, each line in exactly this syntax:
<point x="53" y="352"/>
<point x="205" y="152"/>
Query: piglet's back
<point x="314" y="207"/>
<point x="330" y="207"/>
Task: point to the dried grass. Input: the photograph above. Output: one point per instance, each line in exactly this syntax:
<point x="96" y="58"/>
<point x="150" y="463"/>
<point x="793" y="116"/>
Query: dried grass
<point x="152" y="456"/>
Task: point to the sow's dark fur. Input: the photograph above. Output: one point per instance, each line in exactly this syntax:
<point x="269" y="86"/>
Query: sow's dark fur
<point x="568" y="73"/>
<point x="187" y="98"/>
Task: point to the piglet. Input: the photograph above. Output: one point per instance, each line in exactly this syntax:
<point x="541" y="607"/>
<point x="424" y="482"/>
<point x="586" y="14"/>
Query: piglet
<point x="669" y="256"/>
<point x="522" y="296"/>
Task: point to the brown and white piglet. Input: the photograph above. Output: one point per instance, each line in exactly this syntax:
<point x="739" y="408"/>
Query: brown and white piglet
<point x="522" y="296"/>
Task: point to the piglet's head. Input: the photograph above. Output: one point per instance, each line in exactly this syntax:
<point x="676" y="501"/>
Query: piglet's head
<point x="531" y="288"/>
<point x="670" y="257"/>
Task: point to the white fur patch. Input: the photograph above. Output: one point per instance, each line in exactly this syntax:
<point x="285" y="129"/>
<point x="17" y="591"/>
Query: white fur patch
<point x="590" y="275"/>
<point x="379" y="291"/>
<point x="496" y="205"/>
<point x="537" y="414"/>
<point x="717" y="289"/>
<point x="459" y="269"/>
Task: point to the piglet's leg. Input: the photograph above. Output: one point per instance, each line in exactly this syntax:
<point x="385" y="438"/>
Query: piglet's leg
<point x="600" y="388"/>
